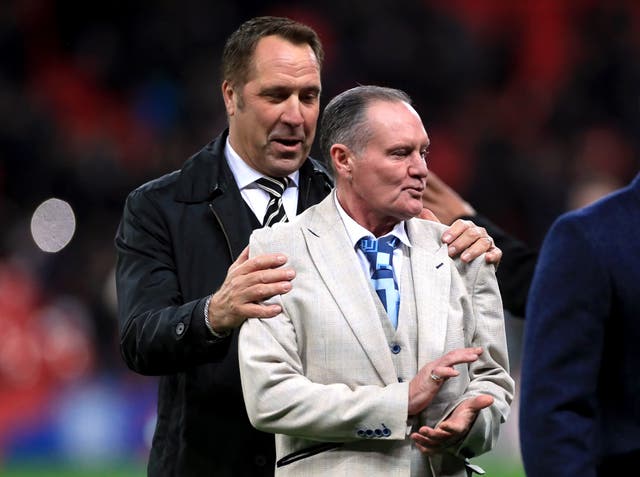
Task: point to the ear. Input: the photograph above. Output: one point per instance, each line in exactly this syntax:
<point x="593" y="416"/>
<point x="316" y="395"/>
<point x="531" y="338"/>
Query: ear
<point x="229" y="97"/>
<point x="341" y="156"/>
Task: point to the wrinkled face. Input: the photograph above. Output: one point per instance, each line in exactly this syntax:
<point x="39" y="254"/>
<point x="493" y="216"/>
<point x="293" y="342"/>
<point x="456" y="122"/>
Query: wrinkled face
<point x="273" y="116"/>
<point x="385" y="181"/>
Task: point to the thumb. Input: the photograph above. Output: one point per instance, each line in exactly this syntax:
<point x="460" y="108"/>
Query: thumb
<point x="480" y="402"/>
<point x="426" y="214"/>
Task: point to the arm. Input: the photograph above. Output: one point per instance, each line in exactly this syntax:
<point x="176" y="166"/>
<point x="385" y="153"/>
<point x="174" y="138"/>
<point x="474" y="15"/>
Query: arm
<point x="280" y="399"/>
<point x="564" y="332"/>
<point x="160" y="333"/>
<point x="471" y="425"/>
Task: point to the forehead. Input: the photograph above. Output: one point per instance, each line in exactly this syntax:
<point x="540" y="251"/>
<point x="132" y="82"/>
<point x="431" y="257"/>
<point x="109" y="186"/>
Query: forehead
<point x="395" y="121"/>
<point x="275" y="56"/>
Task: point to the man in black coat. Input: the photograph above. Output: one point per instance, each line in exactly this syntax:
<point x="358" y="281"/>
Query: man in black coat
<point x="184" y="280"/>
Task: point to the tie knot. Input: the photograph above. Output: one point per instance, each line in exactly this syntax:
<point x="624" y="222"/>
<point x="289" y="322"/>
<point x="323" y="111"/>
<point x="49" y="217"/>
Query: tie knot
<point x="274" y="186"/>
<point x="379" y="252"/>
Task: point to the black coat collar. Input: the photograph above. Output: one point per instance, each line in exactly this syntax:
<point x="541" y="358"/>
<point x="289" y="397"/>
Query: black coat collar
<point x="206" y="174"/>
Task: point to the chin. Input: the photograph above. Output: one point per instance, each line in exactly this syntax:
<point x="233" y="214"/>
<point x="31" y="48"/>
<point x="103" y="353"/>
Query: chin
<point x="284" y="166"/>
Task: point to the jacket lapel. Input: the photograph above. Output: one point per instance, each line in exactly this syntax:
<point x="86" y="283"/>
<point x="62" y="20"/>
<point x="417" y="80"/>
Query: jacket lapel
<point x="338" y="265"/>
<point x="430" y="266"/>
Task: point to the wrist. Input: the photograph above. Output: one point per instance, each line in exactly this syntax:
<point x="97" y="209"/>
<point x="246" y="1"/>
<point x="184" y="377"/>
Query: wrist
<point x="207" y="322"/>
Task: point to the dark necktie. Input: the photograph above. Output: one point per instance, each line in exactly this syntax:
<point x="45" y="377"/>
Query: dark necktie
<point x="274" y="186"/>
<point x="379" y="253"/>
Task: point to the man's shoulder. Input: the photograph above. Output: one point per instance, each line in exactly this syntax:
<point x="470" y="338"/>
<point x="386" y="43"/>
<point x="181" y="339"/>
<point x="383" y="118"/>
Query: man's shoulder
<point x="426" y="230"/>
<point x="158" y="187"/>
<point x="190" y="180"/>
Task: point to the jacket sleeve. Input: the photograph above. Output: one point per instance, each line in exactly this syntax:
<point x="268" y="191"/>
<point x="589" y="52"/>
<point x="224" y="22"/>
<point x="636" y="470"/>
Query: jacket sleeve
<point x="280" y="399"/>
<point x="159" y="333"/>
<point x="490" y="373"/>
<point x="515" y="271"/>
<point x="564" y="337"/>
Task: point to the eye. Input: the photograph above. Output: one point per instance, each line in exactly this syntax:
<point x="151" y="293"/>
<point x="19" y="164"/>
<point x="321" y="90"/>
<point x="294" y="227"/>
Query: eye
<point x="400" y="152"/>
<point x="275" y="95"/>
<point x="309" y="97"/>
<point x="424" y="153"/>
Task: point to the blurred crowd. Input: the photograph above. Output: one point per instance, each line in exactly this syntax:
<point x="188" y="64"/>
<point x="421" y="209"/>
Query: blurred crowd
<point x="533" y="108"/>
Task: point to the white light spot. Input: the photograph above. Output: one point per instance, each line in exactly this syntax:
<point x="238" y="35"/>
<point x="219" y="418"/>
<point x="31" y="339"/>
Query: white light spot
<point x="53" y="225"/>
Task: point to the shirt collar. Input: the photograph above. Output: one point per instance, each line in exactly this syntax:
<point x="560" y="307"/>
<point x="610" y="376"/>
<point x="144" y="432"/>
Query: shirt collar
<point x="355" y="231"/>
<point x="246" y="175"/>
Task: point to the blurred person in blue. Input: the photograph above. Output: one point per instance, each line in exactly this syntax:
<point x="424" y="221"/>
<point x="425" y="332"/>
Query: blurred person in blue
<point x="580" y="404"/>
<point x="184" y="279"/>
<point x="388" y="358"/>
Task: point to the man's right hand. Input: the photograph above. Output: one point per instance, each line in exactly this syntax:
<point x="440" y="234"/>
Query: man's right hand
<point x="248" y="283"/>
<point x="426" y="384"/>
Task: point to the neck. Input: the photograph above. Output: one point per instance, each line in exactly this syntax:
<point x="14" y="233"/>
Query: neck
<point x="376" y="224"/>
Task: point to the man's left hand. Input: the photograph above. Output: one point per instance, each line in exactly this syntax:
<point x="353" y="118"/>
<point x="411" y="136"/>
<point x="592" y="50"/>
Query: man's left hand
<point x="453" y="429"/>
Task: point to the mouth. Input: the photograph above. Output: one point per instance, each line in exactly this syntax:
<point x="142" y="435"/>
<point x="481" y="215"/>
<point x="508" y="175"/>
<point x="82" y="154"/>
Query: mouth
<point x="415" y="191"/>
<point x="287" y="142"/>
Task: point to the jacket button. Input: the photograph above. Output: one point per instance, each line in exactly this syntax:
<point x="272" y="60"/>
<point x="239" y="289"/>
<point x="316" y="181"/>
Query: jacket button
<point x="180" y="328"/>
<point x="396" y="348"/>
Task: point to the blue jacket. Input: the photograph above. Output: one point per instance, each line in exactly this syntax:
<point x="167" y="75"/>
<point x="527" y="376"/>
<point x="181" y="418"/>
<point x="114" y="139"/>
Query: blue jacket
<point x="580" y="403"/>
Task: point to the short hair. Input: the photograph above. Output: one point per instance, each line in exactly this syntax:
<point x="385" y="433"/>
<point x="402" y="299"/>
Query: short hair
<point x="240" y="46"/>
<point x="344" y="118"/>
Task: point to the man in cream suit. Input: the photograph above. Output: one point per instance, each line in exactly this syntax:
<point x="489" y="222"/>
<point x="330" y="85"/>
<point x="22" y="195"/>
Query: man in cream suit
<point x="412" y="385"/>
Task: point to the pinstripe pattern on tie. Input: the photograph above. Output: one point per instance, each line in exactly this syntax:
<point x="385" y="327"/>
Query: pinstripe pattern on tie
<point x="379" y="253"/>
<point x="274" y="186"/>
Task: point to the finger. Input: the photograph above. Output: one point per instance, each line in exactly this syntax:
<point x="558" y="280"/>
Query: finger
<point x="427" y="450"/>
<point x="430" y="445"/>
<point x="262" y="262"/>
<point x="435" y="435"/>
<point x="439" y="374"/>
<point x="264" y="291"/>
<point x="459" y="356"/>
<point x="494" y="255"/>
<point x="456" y="229"/>
<point x="477" y="248"/>
<point x="427" y="214"/>
<point x="268" y="276"/>
<point x="480" y="402"/>
<point x="242" y="258"/>
<point x="259" y="310"/>
<point x="471" y="242"/>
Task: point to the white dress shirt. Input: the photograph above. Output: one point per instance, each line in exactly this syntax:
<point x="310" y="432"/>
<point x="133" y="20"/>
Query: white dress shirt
<point x="255" y="197"/>
<point x="355" y="231"/>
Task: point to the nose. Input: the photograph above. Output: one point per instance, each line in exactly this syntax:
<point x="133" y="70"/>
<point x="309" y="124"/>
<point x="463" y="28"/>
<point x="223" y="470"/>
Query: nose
<point x="292" y="112"/>
<point x="418" y="166"/>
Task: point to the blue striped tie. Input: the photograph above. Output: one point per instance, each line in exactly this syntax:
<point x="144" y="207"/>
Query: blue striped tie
<point x="379" y="253"/>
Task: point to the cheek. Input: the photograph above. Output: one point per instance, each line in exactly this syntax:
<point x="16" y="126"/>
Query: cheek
<point x="311" y="119"/>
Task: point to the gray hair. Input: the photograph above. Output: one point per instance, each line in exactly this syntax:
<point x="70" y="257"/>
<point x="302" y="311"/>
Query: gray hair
<point x="344" y="119"/>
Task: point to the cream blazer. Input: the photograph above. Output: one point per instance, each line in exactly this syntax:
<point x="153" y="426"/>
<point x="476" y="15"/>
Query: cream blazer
<point x="320" y="375"/>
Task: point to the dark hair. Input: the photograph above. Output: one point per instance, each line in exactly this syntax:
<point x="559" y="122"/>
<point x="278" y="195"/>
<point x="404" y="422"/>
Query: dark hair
<point x="344" y="118"/>
<point x="238" y="50"/>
